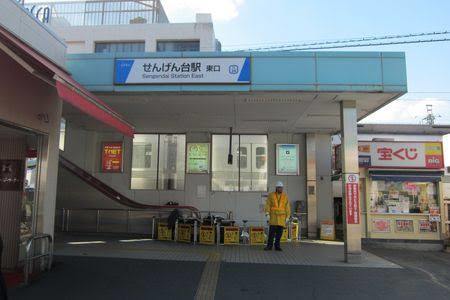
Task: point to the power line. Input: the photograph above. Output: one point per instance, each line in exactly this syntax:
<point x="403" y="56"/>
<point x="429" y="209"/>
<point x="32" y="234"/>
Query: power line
<point x="370" y="44"/>
<point x="352" y="40"/>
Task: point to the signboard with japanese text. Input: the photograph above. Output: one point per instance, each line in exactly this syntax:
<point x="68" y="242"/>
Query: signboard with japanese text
<point x="284" y="235"/>
<point x="11" y="175"/>
<point x="112" y="157"/>
<point x="207" y="235"/>
<point x="287" y="159"/>
<point x="404" y="225"/>
<point x="427" y="226"/>
<point x="422" y="155"/>
<point x="231" y="235"/>
<point x="189" y="70"/>
<point x="435" y="215"/>
<point x="164" y="233"/>
<point x="197" y="158"/>
<point x="257" y="236"/>
<point x="327" y="231"/>
<point x="381" y="225"/>
<point x="352" y="198"/>
<point x="184" y="233"/>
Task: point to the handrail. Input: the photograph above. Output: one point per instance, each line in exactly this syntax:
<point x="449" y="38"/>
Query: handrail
<point x="112" y="193"/>
<point x="29" y="259"/>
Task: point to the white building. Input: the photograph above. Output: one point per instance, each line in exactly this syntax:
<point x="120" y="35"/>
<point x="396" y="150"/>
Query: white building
<point x="125" y="26"/>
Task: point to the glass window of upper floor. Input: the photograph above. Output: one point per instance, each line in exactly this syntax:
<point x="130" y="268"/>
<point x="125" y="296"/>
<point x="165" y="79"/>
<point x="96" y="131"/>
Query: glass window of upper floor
<point x="111" y="47"/>
<point x="177" y="46"/>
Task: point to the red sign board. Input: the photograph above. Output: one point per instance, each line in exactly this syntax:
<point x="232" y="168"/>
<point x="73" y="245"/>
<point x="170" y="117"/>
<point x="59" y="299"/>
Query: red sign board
<point x="112" y="157"/>
<point x="352" y="198"/>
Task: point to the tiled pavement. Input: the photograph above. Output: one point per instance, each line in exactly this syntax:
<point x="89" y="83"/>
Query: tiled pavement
<point x="312" y="253"/>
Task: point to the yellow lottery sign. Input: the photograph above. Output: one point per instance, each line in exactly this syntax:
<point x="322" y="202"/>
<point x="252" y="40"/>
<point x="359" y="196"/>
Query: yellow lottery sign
<point x="207" y="235"/>
<point x="231" y="235"/>
<point x="294" y="231"/>
<point x="164" y="233"/>
<point x="257" y="236"/>
<point x="184" y="233"/>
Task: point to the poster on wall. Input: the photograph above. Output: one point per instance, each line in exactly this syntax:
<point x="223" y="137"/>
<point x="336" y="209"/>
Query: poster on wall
<point x="11" y="175"/>
<point x="404" y="226"/>
<point x="381" y="225"/>
<point x="435" y="215"/>
<point x="427" y="226"/>
<point x="112" y="157"/>
<point x="287" y="162"/>
<point x="352" y="198"/>
<point x="197" y="158"/>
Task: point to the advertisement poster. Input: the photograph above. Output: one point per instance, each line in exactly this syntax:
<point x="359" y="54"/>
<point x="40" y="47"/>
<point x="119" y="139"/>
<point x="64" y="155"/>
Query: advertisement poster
<point x="188" y="70"/>
<point x="404" y="225"/>
<point x="164" y="233"/>
<point x="435" y="215"/>
<point x="257" y="236"/>
<point x="422" y="155"/>
<point x="198" y="158"/>
<point x="327" y="230"/>
<point x="207" y="235"/>
<point x="381" y="225"/>
<point x="112" y="157"/>
<point x="11" y="175"/>
<point x="287" y="159"/>
<point x="231" y="235"/>
<point x="427" y="226"/>
<point x="352" y="198"/>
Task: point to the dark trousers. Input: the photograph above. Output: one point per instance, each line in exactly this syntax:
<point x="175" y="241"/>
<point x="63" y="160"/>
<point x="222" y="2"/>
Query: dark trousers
<point x="3" y="291"/>
<point x="275" y="232"/>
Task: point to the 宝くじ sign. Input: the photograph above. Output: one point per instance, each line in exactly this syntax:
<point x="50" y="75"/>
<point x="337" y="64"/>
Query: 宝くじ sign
<point x="188" y="70"/>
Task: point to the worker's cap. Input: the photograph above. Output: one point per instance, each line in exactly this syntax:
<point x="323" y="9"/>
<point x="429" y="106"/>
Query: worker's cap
<point x="279" y="184"/>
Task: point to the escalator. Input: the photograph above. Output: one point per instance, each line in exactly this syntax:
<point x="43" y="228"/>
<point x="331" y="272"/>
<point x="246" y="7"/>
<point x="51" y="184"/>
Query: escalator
<point x="112" y="193"/>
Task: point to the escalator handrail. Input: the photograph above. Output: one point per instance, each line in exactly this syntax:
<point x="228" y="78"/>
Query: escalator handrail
<point x="112" y="193"/>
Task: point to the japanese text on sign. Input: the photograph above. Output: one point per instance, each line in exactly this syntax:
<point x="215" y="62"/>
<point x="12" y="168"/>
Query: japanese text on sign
<point x="184" y="233"/>
<point x="112" y="157"/>
<point x="257" y="236"/>
<point x="207" y="235"/>
<point x="352" y="198"/>
<point x="164" y="233"/>
<point x="182" y="70"/>
<point x="231" y="235"/>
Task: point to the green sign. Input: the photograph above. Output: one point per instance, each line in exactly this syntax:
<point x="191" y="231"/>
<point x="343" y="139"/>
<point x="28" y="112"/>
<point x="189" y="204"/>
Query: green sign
<point x="287" y="159"/>
<point x="198" y="158"/>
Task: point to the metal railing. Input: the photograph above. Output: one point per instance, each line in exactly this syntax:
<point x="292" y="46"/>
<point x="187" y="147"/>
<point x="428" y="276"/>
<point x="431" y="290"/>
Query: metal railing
<point x="30" y="247"/>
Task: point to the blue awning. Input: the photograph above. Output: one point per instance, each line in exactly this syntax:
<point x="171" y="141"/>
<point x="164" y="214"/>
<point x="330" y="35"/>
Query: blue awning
<point x="406" y="176"/>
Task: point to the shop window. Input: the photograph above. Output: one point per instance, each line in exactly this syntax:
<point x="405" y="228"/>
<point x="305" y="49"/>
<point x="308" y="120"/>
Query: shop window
<point x="111" y="47"/>
<point x="158" y="162"/>
<point x="177" y="46"/>
<point x="402" y="197"/>
<point x="249" y="169"/>
<point x="62" y="134"/>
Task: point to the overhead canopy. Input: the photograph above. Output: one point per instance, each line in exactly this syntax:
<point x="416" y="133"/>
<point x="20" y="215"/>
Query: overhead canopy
<point x="425" y="176"/>
<point x="68" y="89"/>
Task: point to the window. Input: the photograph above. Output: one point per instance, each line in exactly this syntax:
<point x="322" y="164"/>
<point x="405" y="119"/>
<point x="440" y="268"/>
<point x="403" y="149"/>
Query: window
<point x="158" y="161"/>
<point x="402" y="197"/>
<point x="62" y="134"/>
<point x="108" y="47"/>
<point x="177" y="46"/>
<point x="249" y="169"/>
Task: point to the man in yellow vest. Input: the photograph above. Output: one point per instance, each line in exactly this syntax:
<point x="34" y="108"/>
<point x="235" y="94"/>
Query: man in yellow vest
<point x="278" y="211"/>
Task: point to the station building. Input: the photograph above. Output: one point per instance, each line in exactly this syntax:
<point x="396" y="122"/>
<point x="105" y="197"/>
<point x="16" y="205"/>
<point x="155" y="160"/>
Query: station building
<point x="211" y="130"/>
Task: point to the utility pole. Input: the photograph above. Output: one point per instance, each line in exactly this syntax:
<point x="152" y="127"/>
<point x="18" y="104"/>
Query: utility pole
<point x="431" y="117"/>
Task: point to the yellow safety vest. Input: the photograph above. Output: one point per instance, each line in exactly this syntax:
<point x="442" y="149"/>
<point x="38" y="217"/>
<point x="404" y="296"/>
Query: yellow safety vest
<point x="278" y="207"/>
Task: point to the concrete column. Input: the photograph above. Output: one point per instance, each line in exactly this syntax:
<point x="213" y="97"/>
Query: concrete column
<point x="350" y="180"/>
<point x="311" y="185"/>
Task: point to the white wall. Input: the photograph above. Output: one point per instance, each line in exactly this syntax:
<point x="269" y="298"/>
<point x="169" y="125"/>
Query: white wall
<point x="81" y="39"/>
<point x="84" y="148"/>
<point x="20" y="22"/>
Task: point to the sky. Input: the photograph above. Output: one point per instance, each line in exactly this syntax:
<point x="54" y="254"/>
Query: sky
<point x="243" y="24"/>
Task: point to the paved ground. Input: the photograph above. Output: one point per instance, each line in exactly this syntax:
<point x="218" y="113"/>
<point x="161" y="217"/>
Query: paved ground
<point x="237" y="273"/>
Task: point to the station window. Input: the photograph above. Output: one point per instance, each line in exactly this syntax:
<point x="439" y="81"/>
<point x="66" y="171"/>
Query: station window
<point x="111" y="47"/>
<point x="158" y="161"/>
<point x="62" y="134"/>
<point x="177" y="46"/>
<point x="249" y="169"/>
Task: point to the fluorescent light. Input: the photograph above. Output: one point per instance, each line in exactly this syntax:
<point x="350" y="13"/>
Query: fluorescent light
<point x="135" y="240"/>
<point x="86" y="243"/>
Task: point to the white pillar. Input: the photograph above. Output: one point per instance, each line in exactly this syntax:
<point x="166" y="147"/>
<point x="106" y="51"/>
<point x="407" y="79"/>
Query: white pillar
<point x="311" y="185"/>
<point x="350" y="181"/>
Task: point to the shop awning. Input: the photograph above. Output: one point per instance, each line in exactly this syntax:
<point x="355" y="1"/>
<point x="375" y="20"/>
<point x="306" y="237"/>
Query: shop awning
<point x="406" y="176"/>
<point x="68" y="89"/>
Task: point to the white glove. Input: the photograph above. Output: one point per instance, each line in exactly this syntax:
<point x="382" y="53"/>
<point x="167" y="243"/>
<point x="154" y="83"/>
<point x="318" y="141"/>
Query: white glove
<point x="268" y="217"/>
<point x="287" y="220"/>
